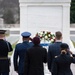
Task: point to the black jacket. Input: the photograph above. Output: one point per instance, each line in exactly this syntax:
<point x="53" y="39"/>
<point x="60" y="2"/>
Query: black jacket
<point x="35" y="57"/>
<point x="5" y="47"/>
<point x="61" y="65"/>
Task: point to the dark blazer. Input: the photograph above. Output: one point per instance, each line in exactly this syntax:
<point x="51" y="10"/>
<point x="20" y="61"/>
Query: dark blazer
<point x="19" y="53"/>
<point x="53" y="50"/>
<point x="35" y="57"/>
<point x="61" y="65"/>
<point x="5" y="47"/>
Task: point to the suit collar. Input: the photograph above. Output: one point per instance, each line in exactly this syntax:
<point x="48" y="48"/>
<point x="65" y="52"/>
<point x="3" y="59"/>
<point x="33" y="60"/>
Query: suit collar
<point x="36" y="45"/>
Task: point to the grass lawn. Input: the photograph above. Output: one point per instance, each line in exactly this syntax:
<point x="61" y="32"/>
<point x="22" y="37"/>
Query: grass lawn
<point x="73" y="43"/>
<point x="13" y="46"/>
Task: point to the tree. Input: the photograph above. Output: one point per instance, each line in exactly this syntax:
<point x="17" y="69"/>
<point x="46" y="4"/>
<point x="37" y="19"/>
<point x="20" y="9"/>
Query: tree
<point x="72" y="12"/>
<point x="8" y="17"/>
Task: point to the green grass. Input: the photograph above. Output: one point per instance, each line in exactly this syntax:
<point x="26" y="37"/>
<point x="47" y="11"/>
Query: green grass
<point x="13" y="46"/>
<point x="73" y="43"/>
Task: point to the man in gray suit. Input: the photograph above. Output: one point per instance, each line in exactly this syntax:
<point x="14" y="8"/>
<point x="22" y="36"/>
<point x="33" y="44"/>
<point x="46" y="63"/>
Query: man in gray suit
<point x="54" y="49"/>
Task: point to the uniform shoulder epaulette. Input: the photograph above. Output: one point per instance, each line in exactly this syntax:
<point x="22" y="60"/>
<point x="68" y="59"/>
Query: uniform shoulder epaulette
<point x="56" y="56"/>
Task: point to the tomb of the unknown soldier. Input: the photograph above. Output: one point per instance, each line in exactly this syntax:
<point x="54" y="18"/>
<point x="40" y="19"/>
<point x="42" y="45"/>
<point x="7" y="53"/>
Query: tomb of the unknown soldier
<point x="45" y="15"/>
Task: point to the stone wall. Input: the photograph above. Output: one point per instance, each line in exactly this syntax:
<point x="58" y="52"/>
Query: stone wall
<point x="10" y="25"/>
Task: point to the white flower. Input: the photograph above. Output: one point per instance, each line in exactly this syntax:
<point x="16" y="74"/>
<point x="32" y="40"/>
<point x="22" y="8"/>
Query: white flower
<point x="41" y="33"/>
<point x="46" y="37"/>
<point x="52" y="40"/>
<point x="49" y="35"/>
<point x="45" y="32"/>
<point x="53" y="37"/>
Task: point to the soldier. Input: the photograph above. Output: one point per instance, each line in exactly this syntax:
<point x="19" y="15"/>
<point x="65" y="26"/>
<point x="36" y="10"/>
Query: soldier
<point x="5" y="47"/>
<point x="62" y="62"/>
<point x="20" y="51"/>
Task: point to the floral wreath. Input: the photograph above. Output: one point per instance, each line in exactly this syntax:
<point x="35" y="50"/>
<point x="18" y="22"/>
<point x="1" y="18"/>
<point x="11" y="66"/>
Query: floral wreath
<point x="46" y="36"/>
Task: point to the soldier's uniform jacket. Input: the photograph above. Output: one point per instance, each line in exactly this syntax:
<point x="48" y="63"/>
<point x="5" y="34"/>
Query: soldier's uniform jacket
<point x="19" y="53"/>
<point x="61" y="65"/>
<point x="5" y="47"/>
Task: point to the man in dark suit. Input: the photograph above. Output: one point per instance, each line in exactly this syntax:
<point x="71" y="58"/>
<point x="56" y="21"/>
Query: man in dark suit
<point x="19" y="53"/>
<point x="34" y="59"/>
<point x="54" y="49"/>
<point x="5" y="47"/>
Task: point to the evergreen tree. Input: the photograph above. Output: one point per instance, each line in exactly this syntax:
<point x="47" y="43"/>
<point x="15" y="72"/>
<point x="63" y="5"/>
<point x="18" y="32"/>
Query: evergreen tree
<point x="72" y="12"/>
<point x="8" y="17"/>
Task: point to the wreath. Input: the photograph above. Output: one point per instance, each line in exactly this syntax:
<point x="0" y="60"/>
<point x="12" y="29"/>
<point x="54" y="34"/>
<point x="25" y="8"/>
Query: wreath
<point x="46" y="36"/>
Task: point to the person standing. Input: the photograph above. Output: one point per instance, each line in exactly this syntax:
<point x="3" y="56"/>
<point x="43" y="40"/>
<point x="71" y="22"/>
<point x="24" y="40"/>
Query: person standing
<point x="19" y="53"/>
<point x="34" y="59"/>
<point x="5" y="47"/>
<point x="54" y="49"/>
<point x="61" y="63"/>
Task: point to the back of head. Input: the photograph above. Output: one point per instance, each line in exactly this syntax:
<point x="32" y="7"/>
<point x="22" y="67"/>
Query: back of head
<point x="36" y="40"/>
<point x="26" y="34"/>
<point x="58" y="35"/>
<point x="64" y="48"/>
<point x="2" y="33"/>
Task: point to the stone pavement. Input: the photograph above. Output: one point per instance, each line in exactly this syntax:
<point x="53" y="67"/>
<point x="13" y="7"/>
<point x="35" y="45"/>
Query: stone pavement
<point x="12" y="72"/>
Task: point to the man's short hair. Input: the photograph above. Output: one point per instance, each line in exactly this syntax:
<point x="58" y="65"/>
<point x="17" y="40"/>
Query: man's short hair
<point x="58" y="35"/>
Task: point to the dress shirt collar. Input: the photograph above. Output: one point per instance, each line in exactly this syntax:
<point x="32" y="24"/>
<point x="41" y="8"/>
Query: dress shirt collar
<point x="25" y="41"/>
<point x="58" y="41"/>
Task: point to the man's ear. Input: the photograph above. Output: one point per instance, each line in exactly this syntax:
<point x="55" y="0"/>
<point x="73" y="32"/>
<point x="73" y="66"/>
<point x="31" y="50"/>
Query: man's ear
<point x="61" y="38"/>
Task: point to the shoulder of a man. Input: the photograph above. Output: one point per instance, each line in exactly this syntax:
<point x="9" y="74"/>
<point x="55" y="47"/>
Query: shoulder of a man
<point x="51" y="44"/>
<point x="18" y="44"/>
